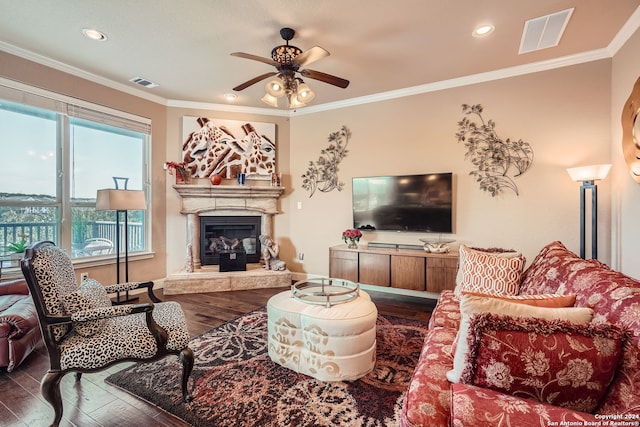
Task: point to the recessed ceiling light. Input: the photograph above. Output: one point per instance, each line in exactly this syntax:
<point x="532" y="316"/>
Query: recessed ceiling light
<point x="483" y="30"/>
<point x="230" y="96"/>
<point x="94" y="34"/>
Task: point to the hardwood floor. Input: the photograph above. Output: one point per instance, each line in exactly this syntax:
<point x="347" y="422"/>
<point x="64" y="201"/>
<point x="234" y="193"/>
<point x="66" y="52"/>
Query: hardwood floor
<point x="92" y="402"/>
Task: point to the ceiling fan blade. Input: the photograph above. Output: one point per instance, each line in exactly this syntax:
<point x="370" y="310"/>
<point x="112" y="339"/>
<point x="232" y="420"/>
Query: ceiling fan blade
<point x="255" y="58"/>
<point x="326" y="78"/>
<point x="254" y="81"/>
<point x="311" y="55"/>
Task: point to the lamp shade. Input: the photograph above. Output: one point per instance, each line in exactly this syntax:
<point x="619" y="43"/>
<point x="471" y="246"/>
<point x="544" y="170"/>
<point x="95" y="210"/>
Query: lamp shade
<point x="294" y="102"/>
<point x="120" y="200"/>
<point x="305" y="94"/>
<point x="275" y="87"/>
<point x="589" y="173"/>
<point x="271" y="100"/>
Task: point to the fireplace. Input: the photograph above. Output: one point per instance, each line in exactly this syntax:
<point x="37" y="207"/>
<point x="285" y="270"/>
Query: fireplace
<point x="224" y="234"/>
<point x="200" y="202"/>
<point x="249" y="206"/>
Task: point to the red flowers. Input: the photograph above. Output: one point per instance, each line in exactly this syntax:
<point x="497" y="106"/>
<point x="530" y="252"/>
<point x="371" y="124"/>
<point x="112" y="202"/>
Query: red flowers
<point x="351" y="234"/>
<point x="171" y="166"/>
<point x="180" y="171"/>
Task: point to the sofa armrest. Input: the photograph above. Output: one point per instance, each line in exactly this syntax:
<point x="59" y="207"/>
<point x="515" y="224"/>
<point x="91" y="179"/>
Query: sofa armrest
<point x="447" y="312"/>
<point x="476" y="406"/>
<point x="21" y="317"/>
<point x="14" y="287"/>
<point x="427" y="399"/>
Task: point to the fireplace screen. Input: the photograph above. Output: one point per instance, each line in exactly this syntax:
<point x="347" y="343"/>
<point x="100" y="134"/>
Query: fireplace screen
<point x="222" y="234"/>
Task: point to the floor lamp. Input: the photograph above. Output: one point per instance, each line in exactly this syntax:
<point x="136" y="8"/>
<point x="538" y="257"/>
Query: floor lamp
<point x="121" y="201"/>
<point x="588" y="175"/>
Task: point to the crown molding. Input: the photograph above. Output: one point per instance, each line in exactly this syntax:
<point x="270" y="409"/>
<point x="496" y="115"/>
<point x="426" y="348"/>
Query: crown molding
<point x="504" y="73"/>
<point x="627" y="30"/>
<point x="60" y="66"/>
<point x="227" y="108"/>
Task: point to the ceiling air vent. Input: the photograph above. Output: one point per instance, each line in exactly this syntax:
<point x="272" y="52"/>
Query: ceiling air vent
<point x="543" y="32"/>
<point x="143" y="82"/>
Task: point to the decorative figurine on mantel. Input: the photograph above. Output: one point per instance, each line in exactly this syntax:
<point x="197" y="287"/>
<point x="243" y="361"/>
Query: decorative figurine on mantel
<point x="271" y="254"/>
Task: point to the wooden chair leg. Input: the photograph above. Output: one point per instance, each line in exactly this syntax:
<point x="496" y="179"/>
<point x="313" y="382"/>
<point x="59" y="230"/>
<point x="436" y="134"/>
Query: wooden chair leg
<point x="186" y="357"/>
<point x="50" y="387"/>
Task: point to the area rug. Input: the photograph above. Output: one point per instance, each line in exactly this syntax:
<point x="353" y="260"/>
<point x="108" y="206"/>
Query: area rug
<point x="235" y="383"/>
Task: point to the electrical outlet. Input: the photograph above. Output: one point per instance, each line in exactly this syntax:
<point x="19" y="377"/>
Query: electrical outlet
<point x="301" y="257"/>
<point x="84" y="276"/>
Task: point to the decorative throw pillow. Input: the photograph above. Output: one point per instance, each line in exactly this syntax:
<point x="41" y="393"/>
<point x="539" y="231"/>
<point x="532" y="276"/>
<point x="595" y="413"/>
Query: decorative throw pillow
<point x="541" y="300"/>
<point x="472" y="305"/>
<point x="554" y="362"/>
<point x="553" y="268"/>
<point x="495" y="273"/>
<point x="90" y="294"/>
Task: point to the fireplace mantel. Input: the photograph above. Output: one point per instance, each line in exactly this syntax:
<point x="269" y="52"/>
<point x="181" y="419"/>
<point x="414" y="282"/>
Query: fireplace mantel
<point x="199" y="198"/>
<point x="225" y="200"/>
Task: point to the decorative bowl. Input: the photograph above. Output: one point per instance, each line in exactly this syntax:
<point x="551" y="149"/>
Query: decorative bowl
<point x="436" y="248"/>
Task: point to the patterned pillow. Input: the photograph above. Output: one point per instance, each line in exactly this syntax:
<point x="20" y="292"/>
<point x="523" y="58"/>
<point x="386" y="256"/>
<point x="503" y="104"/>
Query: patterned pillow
<point x="551" y="361"/>
<point x="91" y="294"/>
<point x="552" y="268"/>
<point x="472" y="305"/>
<point x="489" y="272"/>
<point x="541" y="300"/>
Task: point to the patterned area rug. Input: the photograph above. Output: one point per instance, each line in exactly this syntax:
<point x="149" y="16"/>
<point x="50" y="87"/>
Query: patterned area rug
<point x="236" y="384"/>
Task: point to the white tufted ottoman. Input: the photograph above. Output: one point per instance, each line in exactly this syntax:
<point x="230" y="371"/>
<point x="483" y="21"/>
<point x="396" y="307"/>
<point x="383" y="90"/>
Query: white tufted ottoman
<point x="331" y="344"/>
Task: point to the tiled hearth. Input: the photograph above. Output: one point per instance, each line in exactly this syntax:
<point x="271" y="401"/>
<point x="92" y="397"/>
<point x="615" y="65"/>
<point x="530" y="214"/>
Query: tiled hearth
<point x="225" y="200"/>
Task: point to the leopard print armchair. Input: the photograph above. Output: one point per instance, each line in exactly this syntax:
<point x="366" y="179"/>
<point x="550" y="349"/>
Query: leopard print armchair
<point x="83" y="332"/>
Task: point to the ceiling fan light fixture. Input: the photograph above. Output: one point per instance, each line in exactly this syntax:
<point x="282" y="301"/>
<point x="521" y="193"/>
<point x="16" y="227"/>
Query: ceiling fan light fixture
<point x="304" y="93"/>
<point x="294" y="102"/>
<point x="275" y="87"/>
<point x="288" y="61"/>
<point x="270" y="100"/>
<point x="284" y="54"/>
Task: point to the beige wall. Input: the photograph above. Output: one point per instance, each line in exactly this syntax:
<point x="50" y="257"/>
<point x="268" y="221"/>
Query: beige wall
<point x="626" y="193"/>
<point x="27" y="72"/>
<point x="564" y="114"/>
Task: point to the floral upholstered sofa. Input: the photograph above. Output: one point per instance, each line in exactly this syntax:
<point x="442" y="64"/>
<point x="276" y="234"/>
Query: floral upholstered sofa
<point x="521" y="370"/>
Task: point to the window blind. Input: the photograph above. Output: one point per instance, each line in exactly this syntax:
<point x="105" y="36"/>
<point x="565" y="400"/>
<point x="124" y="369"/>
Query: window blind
<point x="72" y="107"/>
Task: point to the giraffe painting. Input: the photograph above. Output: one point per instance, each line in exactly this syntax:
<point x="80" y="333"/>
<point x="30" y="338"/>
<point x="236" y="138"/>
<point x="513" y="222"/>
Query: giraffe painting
<point x="228" y="148"/>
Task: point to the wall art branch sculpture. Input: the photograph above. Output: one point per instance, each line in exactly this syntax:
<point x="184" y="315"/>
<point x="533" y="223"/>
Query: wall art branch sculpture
<point x="323" y="174"/>
<point x="497" y="161"/>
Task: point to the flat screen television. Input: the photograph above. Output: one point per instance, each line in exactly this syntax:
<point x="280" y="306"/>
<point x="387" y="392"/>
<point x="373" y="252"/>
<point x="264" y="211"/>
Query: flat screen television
<point x="404" y="203"/>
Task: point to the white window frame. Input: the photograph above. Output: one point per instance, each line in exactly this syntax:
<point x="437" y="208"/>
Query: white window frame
<point x="67" y="107"/>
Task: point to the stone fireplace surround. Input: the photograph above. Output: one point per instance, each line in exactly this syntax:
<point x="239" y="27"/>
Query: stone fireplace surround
<point x="225" y="200"/>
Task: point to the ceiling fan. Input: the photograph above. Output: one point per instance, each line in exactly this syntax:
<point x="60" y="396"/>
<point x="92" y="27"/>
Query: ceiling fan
<point x="288" y="61"/>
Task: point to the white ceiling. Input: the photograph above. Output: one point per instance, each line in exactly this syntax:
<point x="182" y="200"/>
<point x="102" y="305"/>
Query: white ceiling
<point x="381" y="46"/>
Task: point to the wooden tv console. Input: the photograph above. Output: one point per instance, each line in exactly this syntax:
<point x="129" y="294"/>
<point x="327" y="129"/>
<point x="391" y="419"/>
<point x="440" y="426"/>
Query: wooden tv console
<point x="397" y="268"/>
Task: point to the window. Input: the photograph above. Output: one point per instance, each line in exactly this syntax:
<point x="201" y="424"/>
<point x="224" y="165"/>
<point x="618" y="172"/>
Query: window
<point x="55" y="160"/>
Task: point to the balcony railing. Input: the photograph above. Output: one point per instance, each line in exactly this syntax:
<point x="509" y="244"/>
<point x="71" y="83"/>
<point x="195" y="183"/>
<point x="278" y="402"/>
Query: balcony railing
<point x="34" y="231"/>
<point x="105" y="230"/>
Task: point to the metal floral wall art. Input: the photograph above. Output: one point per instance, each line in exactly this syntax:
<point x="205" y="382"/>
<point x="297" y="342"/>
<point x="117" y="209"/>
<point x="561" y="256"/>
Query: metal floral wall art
<point x="498" y="161"/>
<point x="323" y="174"/>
